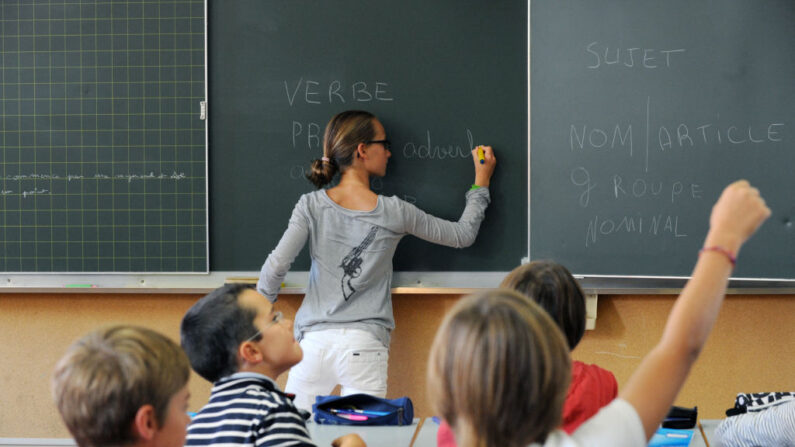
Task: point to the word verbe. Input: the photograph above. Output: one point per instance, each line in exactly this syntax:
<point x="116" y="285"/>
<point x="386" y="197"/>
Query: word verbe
<point x="313" y="92"/>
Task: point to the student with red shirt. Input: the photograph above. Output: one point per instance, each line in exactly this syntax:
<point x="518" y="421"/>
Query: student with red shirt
<point x="552" y="286"/>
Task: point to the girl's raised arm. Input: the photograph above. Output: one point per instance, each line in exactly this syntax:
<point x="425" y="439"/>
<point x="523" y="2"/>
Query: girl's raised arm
<point x="654" y="385"/>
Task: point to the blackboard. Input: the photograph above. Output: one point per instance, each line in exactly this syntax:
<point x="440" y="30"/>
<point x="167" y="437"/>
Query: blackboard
<point x="442" y="76"/>
<point x="103" y="152"/>
<point x="641" y="112"/>
<point x="706" y="89"/>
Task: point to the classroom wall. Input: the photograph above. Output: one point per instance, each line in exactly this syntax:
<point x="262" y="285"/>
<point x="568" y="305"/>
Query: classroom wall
<point x="750" y="350"/>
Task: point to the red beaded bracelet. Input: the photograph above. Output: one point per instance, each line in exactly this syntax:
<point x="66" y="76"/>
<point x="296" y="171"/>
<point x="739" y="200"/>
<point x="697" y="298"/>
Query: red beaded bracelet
<point x="720" y="249"/>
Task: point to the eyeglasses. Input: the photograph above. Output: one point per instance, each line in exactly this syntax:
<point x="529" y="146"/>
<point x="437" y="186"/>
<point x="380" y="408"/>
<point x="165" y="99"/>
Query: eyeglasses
<point x="277" y="317"/>
<point x="387" y="144"/>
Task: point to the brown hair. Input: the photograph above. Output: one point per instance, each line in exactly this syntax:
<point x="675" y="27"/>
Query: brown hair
<point x="554" y="288"/>
<point x="108" y="375"/>
<point x="343" y="134"/>
<point x="213" y="329"/>
<point x="499" y="371"/>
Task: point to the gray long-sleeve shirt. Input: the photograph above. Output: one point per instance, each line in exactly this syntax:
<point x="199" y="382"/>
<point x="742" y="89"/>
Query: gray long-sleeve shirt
<point x="351" y="273"/>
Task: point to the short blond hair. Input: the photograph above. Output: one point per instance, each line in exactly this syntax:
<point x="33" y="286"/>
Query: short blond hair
<point x="499" y="371"/>
<point x="106" y="376"/>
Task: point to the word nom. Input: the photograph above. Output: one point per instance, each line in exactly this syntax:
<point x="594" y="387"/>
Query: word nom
<point x="649" y="225"/>
<point x="359" y="91"/>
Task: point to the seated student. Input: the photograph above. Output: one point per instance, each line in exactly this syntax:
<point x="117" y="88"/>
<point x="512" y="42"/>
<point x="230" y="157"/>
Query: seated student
<point x="499" y="367"/>
<point x="123" y="385"/>
<point x="235" y="339"/>
<point x="554" y="288"/>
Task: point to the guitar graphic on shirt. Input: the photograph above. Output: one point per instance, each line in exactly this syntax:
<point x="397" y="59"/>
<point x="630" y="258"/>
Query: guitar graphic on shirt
<point x="352" y="264"/>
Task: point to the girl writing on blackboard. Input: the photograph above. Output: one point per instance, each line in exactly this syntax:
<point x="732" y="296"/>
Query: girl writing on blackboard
<point x="345" y="319"/>
<point x="499" y="367"/>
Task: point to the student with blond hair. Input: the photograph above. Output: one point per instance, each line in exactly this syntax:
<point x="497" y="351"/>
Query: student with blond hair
<point x="123" y="385"/>
<point x="553" y="287"/>
<point x="499" y="366"/>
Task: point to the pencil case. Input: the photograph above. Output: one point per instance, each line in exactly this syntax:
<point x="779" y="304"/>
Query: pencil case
<point x="681" y="418"/>
<point x="363" y="409"/>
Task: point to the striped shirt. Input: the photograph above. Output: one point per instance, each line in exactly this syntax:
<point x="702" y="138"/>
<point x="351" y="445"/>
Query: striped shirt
<point x="248" y="410"/>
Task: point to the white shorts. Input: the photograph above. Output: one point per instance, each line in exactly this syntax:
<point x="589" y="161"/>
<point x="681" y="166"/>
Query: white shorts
<point x="352" y="358"/>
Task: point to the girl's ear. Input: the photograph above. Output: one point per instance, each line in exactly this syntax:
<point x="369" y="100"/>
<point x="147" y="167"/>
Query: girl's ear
<point x="360" y="151"/>
<point x="145" y="424"/>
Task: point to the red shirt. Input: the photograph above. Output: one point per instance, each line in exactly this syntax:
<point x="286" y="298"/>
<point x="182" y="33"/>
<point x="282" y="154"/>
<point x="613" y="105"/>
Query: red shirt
<point x="591" y="389"/>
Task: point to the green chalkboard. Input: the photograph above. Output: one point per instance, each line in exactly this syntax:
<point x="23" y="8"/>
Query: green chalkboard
<point x="102" y="150"/>
<point x="642" y="111"/>
<point x="441" y="75"/>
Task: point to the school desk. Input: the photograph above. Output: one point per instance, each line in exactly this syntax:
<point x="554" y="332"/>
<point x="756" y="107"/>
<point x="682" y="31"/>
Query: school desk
<point x="426" y="436"/>
<point x="708" y="438"/>
<point x="387" y="436"/>
<point x="322" y="435"/>
<point x="37" y="442"/>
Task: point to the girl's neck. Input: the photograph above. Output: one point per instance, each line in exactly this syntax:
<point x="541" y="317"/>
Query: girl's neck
<point x="355" y="178"/>
<point x="353" y="192"/>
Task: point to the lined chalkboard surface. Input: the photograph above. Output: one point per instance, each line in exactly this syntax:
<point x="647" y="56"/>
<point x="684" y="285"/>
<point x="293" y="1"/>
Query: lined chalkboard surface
<point x="442" y="76"/>
<point x="642" y="111"/>
<point x="102" y="151"/>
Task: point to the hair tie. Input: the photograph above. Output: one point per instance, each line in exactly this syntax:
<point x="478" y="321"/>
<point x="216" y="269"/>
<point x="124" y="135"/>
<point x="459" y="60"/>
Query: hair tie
<point x="326" y="159"/>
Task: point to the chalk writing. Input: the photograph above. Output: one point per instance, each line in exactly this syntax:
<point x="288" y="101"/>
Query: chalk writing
<point x="655" y="225"/>
<point x="312" y="134"/>
<point x="641" y="188"/>
<point x="647" y="58"/>
<point x="678" y="135"/>
<point x="681" y="135"/>
<point x="598" y="138"/>
<point x="99" y="176"/>
<point x="621" y="188"/>
<point x="33" y="192"/>
<point x="310" y="92"/>
<point x="427" y="150"/>
<point x="581" y="177"/>
<point x="297" y="172"/>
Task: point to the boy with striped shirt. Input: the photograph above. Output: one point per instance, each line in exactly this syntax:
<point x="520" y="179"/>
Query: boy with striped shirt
<point x="235" y="339"/>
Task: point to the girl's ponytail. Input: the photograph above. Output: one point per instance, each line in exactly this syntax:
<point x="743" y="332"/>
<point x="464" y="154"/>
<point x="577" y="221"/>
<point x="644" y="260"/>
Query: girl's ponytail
<point x="321" y="172"/>
<point x="344" y="132"/>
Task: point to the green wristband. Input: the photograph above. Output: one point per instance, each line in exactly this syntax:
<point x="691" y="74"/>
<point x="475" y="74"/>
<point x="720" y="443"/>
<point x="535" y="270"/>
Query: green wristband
<point x="474" y="186"/>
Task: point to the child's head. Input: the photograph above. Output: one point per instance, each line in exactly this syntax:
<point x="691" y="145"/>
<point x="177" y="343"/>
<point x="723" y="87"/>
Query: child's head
<point x="551" y="286"/>
<point x="499" y="370"/>
<point x="343" y="134"/>
<point x="234" y="328"/>
<point x="123" y="385"/>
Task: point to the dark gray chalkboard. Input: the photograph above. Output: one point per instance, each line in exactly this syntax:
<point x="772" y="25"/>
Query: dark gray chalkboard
<point x="642" y="111"/>
<point x="102" y="152"/>
<point x="441" y="76"/>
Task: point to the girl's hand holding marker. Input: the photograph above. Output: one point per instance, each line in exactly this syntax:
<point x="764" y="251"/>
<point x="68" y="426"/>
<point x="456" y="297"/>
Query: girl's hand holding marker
<point x="483" y="157"/>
